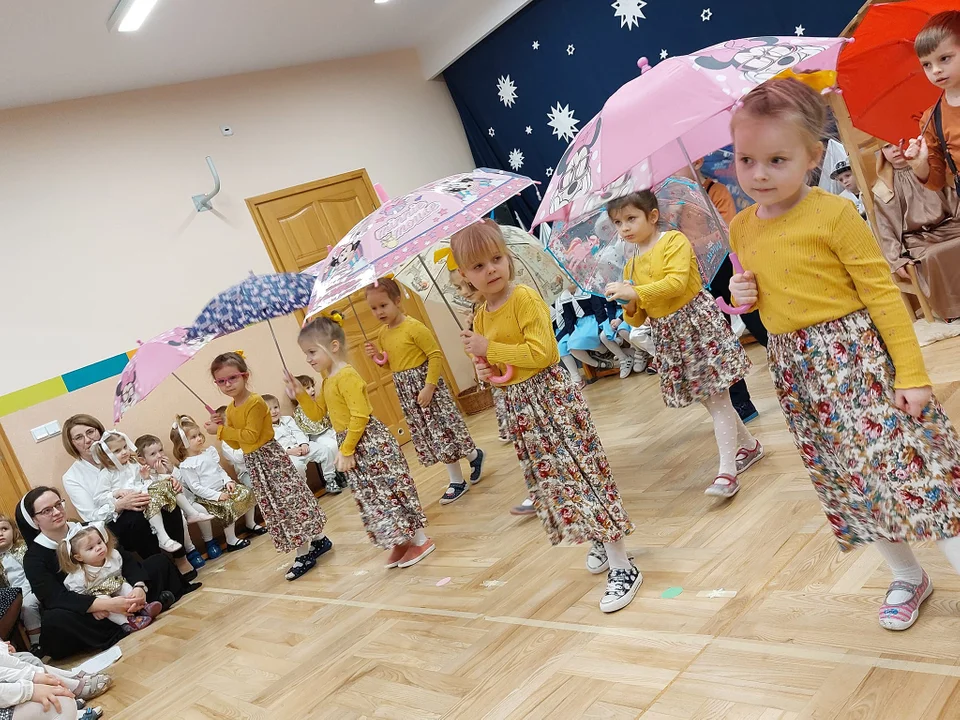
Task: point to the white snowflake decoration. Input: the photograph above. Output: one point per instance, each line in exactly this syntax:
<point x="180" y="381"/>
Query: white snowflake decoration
<point x="630" y="12"/>
<point x="549" y="172"/>
<point x="536" y="44"/>
<point x="491" y="132"/>
<point x="516" y="159"/>
<point x="529" y="130"/>
<point x="507" y="90"/>
<point x="706" y="14"/>
<point x="571" y="49"/>
<point x="664" y="54"/>
<point x="799" y="30"/>
<point x="563" y="122"/>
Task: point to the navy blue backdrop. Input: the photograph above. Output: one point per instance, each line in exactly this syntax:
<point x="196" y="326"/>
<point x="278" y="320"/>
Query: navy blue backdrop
<point x="550" y="68"/>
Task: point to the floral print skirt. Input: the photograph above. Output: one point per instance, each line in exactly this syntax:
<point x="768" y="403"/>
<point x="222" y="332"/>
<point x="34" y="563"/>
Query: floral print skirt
<point x="290" y="511"/>
<point x="227" y="511"/>
<point x="438" y="431"/>
<point x="500" y="408"/>
<point x="698" y="355"/>
<point x="564" y="465"/>
<point x="383" y="488"/>
<point x="162" y="497"/>
<point x="879" y="473"/>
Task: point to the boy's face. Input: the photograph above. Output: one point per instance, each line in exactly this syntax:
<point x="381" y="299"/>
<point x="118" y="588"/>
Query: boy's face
<point x="274" y="411"/>
<point x="942" y="66"/>
<point x="152" y="454"/>
<point x="849" y="181"/>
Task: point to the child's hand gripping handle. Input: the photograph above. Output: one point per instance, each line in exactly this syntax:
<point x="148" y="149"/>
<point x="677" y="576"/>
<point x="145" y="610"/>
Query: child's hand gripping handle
<point x="380" y="358"/>
<point x="727" y="308"/>
<point x="498" y="379"/>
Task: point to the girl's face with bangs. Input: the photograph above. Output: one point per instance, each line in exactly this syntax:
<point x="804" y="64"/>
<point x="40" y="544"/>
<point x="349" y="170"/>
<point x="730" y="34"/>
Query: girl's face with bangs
<point x="489" y="272"/>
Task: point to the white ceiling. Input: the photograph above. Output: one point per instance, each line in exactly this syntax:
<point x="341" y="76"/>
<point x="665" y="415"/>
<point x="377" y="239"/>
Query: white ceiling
<point x="54" y="50"/>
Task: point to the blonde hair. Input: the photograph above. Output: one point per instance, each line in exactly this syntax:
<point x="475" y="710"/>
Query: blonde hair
<point x="323" y="330"/>
<point x="182" y="425"/>
<point x="17" y="538"/>
<point x="103" y="457"/>
<point x="790" y="100"/>
<point x="67" y="563"/>
<point x="479" y="241"/>
<point x="938" y="28"/>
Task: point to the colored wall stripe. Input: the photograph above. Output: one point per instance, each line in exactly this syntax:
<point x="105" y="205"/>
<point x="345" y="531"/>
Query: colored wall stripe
<point x="91" y="374"/>
<point x="33" y="395"/>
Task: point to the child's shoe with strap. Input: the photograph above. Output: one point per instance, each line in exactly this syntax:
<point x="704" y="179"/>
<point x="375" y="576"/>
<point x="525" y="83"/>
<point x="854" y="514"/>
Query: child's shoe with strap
<point x="725" y="486"/>
<point x="900" y="616"/>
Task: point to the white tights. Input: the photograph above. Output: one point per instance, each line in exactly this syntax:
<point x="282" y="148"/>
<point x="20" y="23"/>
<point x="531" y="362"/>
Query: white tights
<point x="571" y="365"/>
<point x="729" y="430"/>
<point x="617" y="555"/>
<point x="904" y="565"/>
<point x="613" y="346"/>
<point x="584" y="357"/>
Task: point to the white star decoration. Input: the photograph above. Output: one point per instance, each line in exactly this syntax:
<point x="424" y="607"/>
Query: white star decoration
<point x="799" y="30"/>
<point x="491" y="132"/>
<point x="563" y="122"/>
<point x="536" y="44"/>
<point x="549" y="172"/>
<point x="507" y="90"/>
<point x="516" y="159"/>
<point x="706" y="14"/>
<point x="664" y="54"/>
<point x="571" y="49"/>
<point x="630" y="12"/>
<point x="529" y="130"/>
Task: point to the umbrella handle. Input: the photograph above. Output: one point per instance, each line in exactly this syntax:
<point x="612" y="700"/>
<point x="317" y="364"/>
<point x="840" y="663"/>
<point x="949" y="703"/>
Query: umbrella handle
<point x="723" y="305"/>
<point x="381" y="359"/>
<point x="500" y="379"/>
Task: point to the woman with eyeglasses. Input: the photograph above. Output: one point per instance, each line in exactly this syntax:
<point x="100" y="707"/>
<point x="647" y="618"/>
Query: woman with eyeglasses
<point x="72" y="623"/>
<point x="124" y="516"/>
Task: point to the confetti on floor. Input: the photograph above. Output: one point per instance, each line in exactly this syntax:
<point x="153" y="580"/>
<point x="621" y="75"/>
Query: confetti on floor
<point x="671" y="592"/>
<point x="443" y="582"/>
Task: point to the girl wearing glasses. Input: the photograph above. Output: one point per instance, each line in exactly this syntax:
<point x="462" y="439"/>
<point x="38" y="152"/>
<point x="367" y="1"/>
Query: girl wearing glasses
<point x="292" y="515"/>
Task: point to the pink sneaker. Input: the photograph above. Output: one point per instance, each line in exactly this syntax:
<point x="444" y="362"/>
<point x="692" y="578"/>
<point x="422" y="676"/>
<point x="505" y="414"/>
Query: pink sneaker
<point x="903" y="615"/>
<point x="747" y="458"/>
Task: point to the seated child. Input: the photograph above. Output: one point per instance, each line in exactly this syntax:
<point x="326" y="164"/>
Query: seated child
<point x="93" y="566"/>
<point x="12" y="550"/>
<point x="234" y="455"/>
<point x="301" y="450"/>
<point x="316" y="430"/>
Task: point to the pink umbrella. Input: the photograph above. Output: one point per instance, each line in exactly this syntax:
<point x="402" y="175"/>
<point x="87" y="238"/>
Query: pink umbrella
<point x="154" y="362"/>
<point x="680" y="109"/>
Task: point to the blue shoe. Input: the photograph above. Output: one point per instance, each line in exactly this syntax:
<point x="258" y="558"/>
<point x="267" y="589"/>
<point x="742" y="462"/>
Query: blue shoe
<point x="319" y="547"/>
<point x="196" y="559"/>
<point x="476" y="467"/>
<point x="213" y="550"/>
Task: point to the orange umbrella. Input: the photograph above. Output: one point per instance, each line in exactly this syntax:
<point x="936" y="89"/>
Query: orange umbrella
<point x="884" y="87"/>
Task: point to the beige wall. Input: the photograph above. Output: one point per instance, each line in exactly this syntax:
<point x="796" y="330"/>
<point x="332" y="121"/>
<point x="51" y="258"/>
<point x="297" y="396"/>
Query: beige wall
<point x="102" y="246"/>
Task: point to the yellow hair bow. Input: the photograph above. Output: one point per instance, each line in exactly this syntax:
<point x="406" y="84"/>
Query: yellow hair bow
<point x="334" y="315"/>
<point x="819" y="80"/>
<point x="241" y="353"/>
<point x="445" y="253"/>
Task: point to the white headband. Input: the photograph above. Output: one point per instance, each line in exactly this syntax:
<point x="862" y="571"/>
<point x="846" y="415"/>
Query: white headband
<point x="26" y="516"/>
<point x="101" y="446"/>
<point x="183" y="435"/>
<point x="77" y="529"/>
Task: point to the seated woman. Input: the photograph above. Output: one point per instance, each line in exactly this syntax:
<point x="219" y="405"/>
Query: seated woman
<point x="124" y="516"/>
<point x="919" y="226"/>
<point x="72" y="623"/>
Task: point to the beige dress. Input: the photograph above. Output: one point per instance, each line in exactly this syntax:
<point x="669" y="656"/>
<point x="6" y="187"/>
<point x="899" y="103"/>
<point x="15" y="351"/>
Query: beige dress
<point x="919" y="224"/>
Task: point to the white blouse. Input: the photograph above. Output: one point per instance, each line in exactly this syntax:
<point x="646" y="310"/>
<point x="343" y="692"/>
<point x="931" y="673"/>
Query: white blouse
<point x="15" y="574"/>
<point x="203" y="475"/>
<point x="288" y="433"/>
<point x="126" y="478"/>
<point x="16" y="679"/>
<point x="82" y="482"/>
<point x="88" y="576"/>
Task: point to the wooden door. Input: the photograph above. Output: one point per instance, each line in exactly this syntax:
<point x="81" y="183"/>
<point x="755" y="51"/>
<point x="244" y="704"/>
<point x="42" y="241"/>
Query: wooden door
<point x="298" y="225"/>
<point x="13" y="483"/>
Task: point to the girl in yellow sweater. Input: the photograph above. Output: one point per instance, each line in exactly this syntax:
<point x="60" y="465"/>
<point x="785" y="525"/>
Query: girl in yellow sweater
<point x="290" y="511"/>
<point x="376" y="469"/>
<point x="437" y="429"/>
<point x="698" y="355"/>
<point x="882" y="455"/>
<point x="567" y="472"/>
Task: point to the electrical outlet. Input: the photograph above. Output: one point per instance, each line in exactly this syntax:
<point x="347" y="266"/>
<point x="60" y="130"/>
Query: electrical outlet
<point x="226" y="130"/>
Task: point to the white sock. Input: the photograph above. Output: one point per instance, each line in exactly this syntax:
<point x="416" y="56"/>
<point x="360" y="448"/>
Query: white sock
<point x="617" y="555"/>
<point x="206" y="530"/>
<point x="527" y="503"/>
<point x="186" y="506"/>
<point x="613" y="346"/>
<point x="903" y="564"/>
<point x="188" y="545"/>
<point x="420" y="538"/>
<point x="303" y="549"/>
<point x="584" y="358"/>
<point x="230" y="534"/>
<point x="156" y="522"/>
<point x="473" y="455"/>
<point x="251" y="518"/>
<point x="456" y="474"/>
<point x="571" y="365"/>
<point x="951" y="548"/>
<point x="725" y="429"/>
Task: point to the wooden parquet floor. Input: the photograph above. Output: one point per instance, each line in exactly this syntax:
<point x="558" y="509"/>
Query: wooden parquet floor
<point x="516" y="632"/>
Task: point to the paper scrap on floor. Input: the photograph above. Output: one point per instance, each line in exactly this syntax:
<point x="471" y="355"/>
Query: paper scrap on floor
<point x="99" y="663"/>
<point x="928" y="333"/>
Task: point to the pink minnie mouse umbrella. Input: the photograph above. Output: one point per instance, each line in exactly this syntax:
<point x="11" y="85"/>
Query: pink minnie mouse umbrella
<point x="155" y="361"/>
<point x="682" y="107"/>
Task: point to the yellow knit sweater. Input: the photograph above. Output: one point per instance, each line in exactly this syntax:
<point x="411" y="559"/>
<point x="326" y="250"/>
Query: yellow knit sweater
<point x="819" y="262"/>
<point x="344" y="397"/>
<point x="410" y="345"/>
<point x="666" y="277"/>
<point x="520" y="334"/>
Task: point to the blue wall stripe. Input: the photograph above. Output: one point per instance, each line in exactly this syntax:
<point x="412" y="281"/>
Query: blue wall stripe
<point x="111" y="367"/>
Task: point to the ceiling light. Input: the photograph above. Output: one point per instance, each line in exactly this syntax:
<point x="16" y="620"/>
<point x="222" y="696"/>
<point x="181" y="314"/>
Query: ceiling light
<point x="380" y="2"/>
<point x="129" y="15"/>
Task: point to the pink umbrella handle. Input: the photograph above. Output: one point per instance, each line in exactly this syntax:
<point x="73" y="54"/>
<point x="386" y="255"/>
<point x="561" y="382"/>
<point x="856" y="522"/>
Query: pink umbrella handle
<point x="500" y="379"/>
<point x="380" y="359"/>
<point x="722" y="304"/>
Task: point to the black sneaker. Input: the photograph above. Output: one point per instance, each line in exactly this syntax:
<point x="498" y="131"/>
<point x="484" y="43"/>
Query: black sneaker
<point x="319" y="547"/>
<point x="167" y="599"/>
<point x="453" y="493"/>
<point x="333" y="488"/>
<point x="622" y="585"/>
<point x="476" y="467"/>
<point x="301" y="566"/>
<point x="341" y="479"/>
